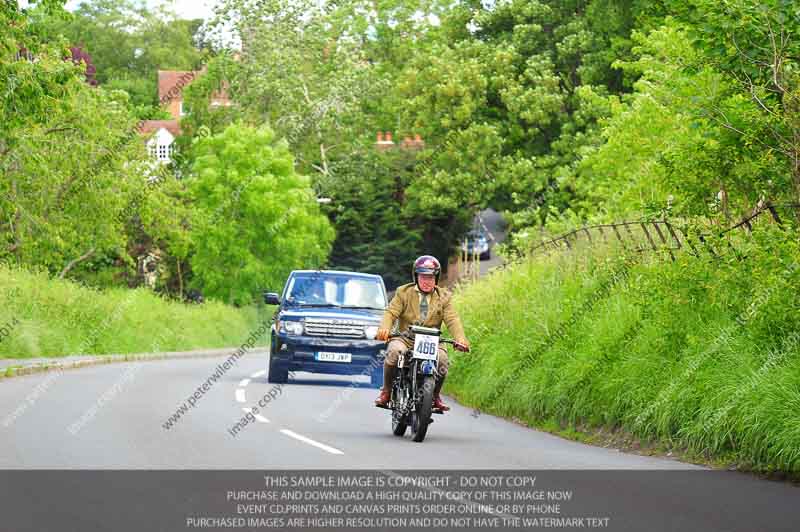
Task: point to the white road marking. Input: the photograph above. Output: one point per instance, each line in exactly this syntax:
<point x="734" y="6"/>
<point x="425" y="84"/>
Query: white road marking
<point x="309" y="441"/>
<point x="240" y="395"/>
<point x="258" y="417"/>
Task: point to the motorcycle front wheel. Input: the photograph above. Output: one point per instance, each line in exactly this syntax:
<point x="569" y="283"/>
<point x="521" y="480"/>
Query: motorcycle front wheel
<point x="399" y="421"/>
<point x="421" y="414"/>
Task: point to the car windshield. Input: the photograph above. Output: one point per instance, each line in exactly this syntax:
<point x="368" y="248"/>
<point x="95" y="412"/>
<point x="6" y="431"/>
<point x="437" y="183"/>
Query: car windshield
<point x="335" y="290"/>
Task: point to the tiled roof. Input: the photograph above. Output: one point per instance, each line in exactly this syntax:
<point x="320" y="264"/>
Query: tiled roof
<point x="173" y="80"/>
<point x="151" y="126"/>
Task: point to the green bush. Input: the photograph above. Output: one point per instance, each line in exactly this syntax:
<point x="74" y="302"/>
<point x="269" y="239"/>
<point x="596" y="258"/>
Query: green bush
<point x="700" y="353"/>
<point x="256" y="219"/>
<point x="54" y="318"/>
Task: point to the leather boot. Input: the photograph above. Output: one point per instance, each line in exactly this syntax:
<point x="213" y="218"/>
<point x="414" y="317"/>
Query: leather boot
<point x="389" y="373"/>
<point x="437" y="399"/>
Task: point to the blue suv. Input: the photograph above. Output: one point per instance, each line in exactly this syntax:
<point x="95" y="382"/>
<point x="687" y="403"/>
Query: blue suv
<point x="326" y="322"/>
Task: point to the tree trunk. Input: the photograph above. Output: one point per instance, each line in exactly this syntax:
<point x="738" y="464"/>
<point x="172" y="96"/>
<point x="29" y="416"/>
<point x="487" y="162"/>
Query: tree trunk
<point x="74" y="262"/>
<point x="15" y="224"/>
<point x="796" y="166"/>
<point x="322" y="152"/>
<point x="724" y="203"/>
<point x="180" y="279"/>
<point x="324" y="156"/>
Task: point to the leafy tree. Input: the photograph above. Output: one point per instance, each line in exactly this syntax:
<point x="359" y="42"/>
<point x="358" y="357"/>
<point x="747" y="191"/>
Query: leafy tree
<point x="530" y="110"/>
<point x="664" y="153"/>
<point x="68" y="162"/>
<point x="756" y="45"/>
<point x="372" y="233"/>
<point x="129" y="42"/>
<point x="202" y="115"/>
<point x="79" y="196"/>
<point x="322" y="78"/>
<point x="303" y="74"/>
<point x="511" y="104"/>
<point x="256" y="219"/>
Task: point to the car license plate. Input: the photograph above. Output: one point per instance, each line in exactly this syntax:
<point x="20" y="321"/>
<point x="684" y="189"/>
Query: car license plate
<point x="426" y="346"/>
<point x="327" y="356"/>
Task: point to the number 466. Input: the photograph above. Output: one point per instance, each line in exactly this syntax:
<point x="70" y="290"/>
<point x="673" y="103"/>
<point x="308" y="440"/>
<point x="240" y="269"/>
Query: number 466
<point x="426" y="348"/>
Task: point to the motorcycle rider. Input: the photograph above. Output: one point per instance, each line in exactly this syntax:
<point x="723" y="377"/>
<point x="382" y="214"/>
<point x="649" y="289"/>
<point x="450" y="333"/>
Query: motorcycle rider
<point x="419" y="303"/>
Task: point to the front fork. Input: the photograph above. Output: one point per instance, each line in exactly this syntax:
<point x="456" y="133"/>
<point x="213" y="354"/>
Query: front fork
<point x="409" y="377"/>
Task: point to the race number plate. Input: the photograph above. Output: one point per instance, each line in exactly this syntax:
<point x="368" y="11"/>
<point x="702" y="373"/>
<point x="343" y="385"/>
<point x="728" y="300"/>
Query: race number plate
<point x="426" y="347"/>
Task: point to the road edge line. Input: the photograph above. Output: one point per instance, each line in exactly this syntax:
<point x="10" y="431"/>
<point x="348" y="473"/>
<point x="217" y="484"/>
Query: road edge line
<point x="19" y="371"/>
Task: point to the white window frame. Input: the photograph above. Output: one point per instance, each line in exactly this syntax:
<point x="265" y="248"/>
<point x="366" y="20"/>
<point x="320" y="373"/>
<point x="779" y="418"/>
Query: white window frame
<point x="162" y="146"/>
<point x="163" y="152"/>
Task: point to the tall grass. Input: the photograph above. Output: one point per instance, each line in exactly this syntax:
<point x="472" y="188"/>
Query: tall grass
<point x="701" y="353"/>
<point x="49" y="318"/>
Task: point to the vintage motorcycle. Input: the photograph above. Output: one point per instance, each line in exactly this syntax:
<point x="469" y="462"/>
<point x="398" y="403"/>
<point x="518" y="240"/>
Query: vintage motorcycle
<point x="412" y="390"/>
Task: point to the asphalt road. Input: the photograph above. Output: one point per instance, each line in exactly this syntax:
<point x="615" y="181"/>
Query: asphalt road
<point x="493" y="224"/>
<point x="117" y="416"/>
<point x="111" y="416"/>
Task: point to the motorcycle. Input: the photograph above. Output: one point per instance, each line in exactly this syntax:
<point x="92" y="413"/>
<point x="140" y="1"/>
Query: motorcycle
<point x="411" y="399"/>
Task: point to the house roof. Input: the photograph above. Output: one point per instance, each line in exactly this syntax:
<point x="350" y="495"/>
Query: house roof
<point x="151" y="126"/>
<point x="173" y="80"/>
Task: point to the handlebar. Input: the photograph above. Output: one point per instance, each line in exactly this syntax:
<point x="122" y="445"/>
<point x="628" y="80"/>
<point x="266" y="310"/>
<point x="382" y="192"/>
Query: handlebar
<point x="441" y="340"/>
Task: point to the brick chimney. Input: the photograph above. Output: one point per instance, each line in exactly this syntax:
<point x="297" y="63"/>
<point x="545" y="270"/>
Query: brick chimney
<point x="384" y="141"/>
<point x="413" y="144"/>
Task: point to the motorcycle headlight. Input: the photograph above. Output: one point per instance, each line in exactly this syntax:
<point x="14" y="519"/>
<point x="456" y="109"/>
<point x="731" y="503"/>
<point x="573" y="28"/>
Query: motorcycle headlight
<point x="292" y="327"/>
<point x="370" y="331"/>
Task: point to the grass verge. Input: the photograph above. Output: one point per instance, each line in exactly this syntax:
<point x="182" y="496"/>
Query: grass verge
<point x="700" y="356"/>
<point x="43" y="317"/>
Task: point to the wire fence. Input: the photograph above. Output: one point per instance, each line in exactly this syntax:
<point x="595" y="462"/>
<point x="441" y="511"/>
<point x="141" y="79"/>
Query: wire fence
<point x="656" y="235"/>
<point x="640" y="236"/>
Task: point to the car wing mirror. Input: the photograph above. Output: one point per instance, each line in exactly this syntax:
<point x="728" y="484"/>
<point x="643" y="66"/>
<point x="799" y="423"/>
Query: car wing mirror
<point x="271" y="298"/>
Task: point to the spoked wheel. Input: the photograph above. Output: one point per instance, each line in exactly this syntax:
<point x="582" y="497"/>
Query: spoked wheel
<point x="421" y="414"/>
<point x="399" y="421"/>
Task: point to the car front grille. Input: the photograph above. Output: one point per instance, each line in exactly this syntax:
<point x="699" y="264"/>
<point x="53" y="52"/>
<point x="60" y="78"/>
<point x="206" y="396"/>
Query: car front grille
<point x="335" y="328"/>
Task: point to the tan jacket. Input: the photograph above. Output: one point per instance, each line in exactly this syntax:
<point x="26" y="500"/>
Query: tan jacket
<point x="404" y="308"/>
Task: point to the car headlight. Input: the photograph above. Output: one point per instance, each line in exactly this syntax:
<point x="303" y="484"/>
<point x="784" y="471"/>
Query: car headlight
<point x="370" y="331"/>
<point x="292" y="327"/>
